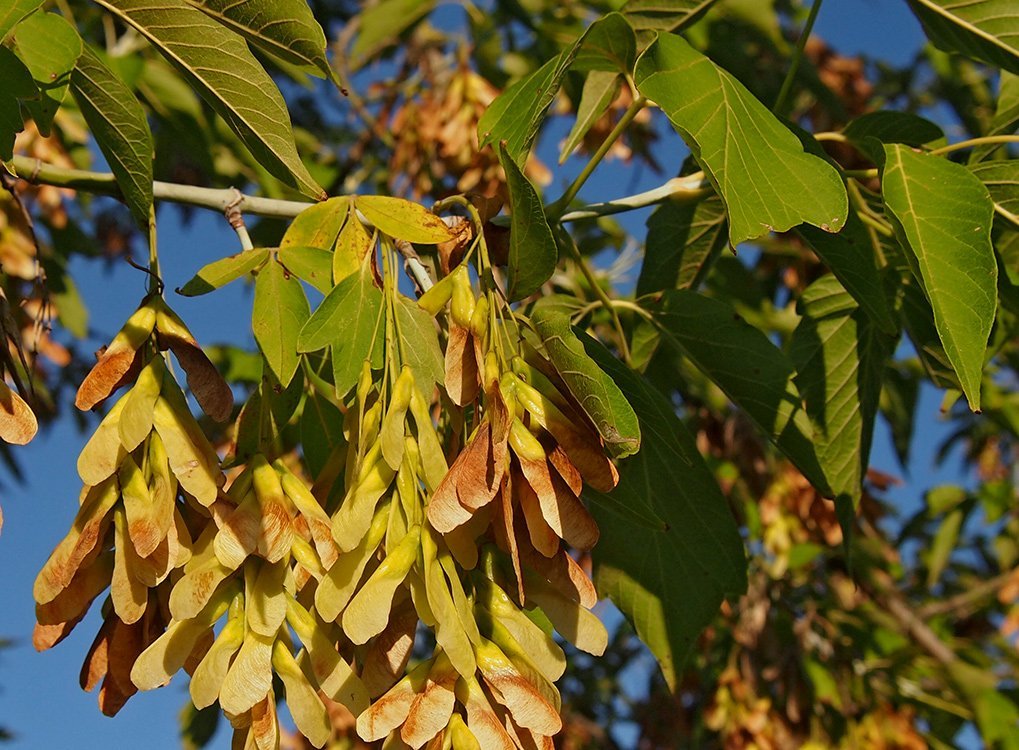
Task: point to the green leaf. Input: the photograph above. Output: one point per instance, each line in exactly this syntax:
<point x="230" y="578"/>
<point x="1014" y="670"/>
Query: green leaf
<point x="218" y="63"/>
<point x="749" y="369"/>
<point x="840" y="356"/>
<point x="18" y="84"/>
<point x="668" y="583"/>
<point x="851" y="257"/>
<point x="919" y="320"/>
<point x="1001" y="178"/>
<point x="279" y="313"/>
<point x="665" y="15"/>
<point x="221" y="272"/>
<point x="403" y="219"/>
<point x="609" y="45"/>
<point x="986" y="30"/>
<point x="318" y="225"/>
<point x="49" y="46"/>
<point x="347" y="321"/>
<point x="118" y="123"/>
<point x="284" y="28"/>
<point x="419" y="344"/>
<point x="599" y="91"/>
<point x="943" y="217"/>
<point x="598" y="396"/>
<point x="532" y="253"/>
<point x="310" y="264"/>
<point x="681" y="240"/>
<point x="1006" y="115"/>
<point x="517" y="113"/>
<point x="756" y="164"/>
<point x="382" y="23"/>
<point x="893" y="127"/>
<point x="321" y="431"/>
<point x="12" y="11"/>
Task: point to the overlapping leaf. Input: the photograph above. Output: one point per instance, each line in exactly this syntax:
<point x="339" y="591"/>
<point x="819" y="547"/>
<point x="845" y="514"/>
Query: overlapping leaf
<point x="220" y="66"/>
<point x="283" y="28"/>
<point x="13" y="11"/>
<point x="599" y="90"/>
<point x="1006" y="115"/>
<point x="943" y="215"/>
<point x="597" y="394"/>
<point x="665" y="15"/>
<point x="757" y="165"/>
<point x="1001" y="178"/>
<point x="671" y="584"/>
<point x="532" y="252"/>
<point x="986" y="30"/>
<point x="840" y="356"/>
<point x="751" y="371"/>
<point x="49" y="46"/>
<point x="18" y="84"/>
<point x="279" y="313"/>
<point x="221" y="272"/>
<point x="516" y="114"/>
<point x="118" y="123"/>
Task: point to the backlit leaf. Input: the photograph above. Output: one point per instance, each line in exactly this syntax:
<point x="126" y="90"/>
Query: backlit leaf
<point x="595" y="391"/>
<point x="13" y="11"/>
<point x="533" y="253"/>
<point x="219" y="65"/>
<point x="279" y="313"/>
<point x="311" y="264"/>
<point x="840" y="358"/>
<point x="221" y="272"/>
<point x="609" y="45"/>
<point x="986" y="30"/>
<point x="664" y="15"/>
<point x="284" y="28"/>
<point x="403" y="219"/>
<point x="756" y="163"/>
<point x="118" y="123"/>
<point x="671" y="584"/>
<point x="419" y="339"/>
<point x="49" y="46"/>
<point x="943" y="217"/>
<point x="751" y="371"/>
<point x="599" y="91"/>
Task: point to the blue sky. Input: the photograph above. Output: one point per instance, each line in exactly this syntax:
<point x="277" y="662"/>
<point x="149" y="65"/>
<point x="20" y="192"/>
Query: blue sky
<point x="38" y="513"/>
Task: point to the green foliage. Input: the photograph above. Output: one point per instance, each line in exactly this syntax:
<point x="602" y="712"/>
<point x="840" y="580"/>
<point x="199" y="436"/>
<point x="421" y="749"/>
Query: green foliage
<point x="405" y="461"/>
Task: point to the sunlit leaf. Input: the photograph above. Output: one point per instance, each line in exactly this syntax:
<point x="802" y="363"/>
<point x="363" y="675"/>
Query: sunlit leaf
<point x="403" y="219"/>
<point x="219" y="65"/>
<point x="118" y="123"/>
<point x="279" y="313"/>
<point x="49" y="46"/>
<point x="756" y="163"/>
<point x="599" y="91"/>
<point x="533" y="253"/>
<point x="943" y="216"/>
<point x="670" y="585"/>
<point x="986" y="30"/>
<point x="221" y="272"/>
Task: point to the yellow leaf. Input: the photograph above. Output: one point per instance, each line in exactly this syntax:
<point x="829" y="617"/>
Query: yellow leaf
<point x="18" y="424"/>
<point x="539" y="646"/>
<point x="265" y="727"/>
<point x="335" y="677"/>
<point x="191" y="456"/>
<point x="239" y="533"/>
<point x="573" y="622"/>
<point x="129" y="595"/>
<point x="167" y="654"/>
<point x="306" y="707"/>
<point x="433" y="460"/>
<point x="402" y="219"/>
<point x="463" y="738"/>
<point x="88" y="529"/>
<point x="368" y="612"/>
<point x="353" y="519"/>
<point x="250" y="674"/>
<point x="136" y="419"/>
<point x="73" y="601"/>
<point x="449" y="630"/>
<point x="276" y="529"/>
<point x="352" y="246"/>
<point x="208" y="677"/>
<point x="102" y="453"/>
<point x="117" y="360"/>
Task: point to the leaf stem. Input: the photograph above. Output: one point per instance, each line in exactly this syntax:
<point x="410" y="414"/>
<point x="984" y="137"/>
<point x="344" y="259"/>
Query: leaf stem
<point x="555" y="210"/>
<point x="787" y="85"/>
<point x="986" y="140"/>
<point x="603" y="298"/>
